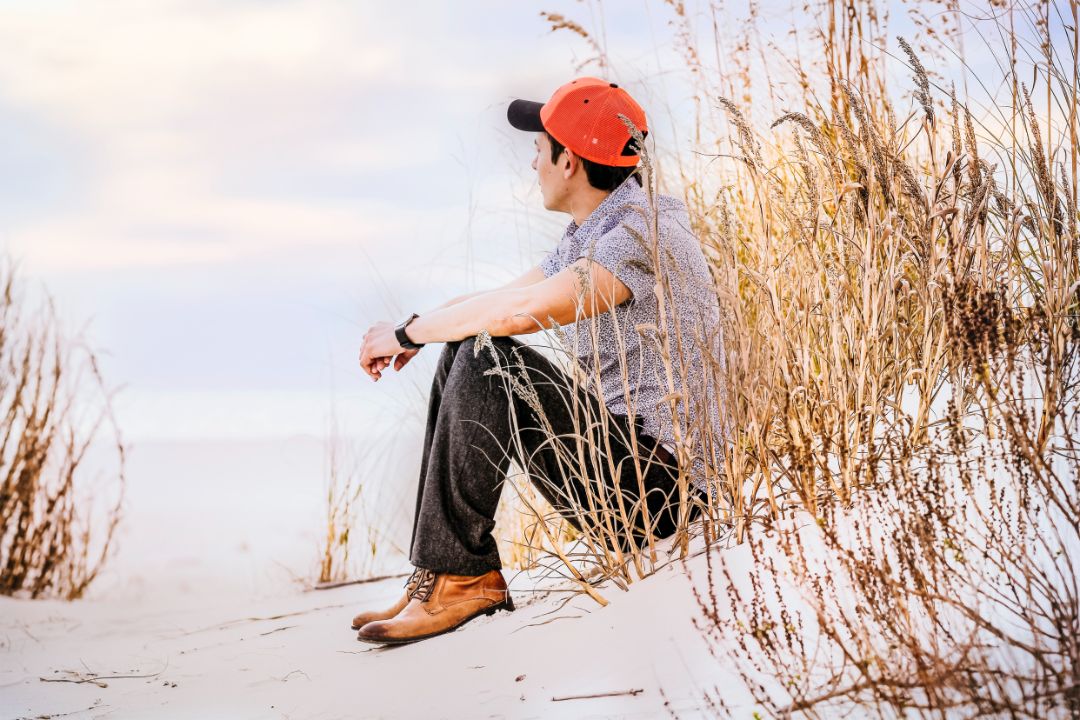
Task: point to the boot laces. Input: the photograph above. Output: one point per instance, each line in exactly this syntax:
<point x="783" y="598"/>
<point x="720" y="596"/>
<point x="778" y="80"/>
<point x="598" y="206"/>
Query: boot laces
<point x="413" y="580"/>
<point x="424" y="584"/>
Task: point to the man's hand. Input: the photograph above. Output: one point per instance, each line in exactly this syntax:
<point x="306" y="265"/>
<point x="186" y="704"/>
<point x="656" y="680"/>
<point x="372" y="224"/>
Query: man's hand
<point x="379" y="346"/>
<point x="377" y="365"/>
<point x="403" y="357"/>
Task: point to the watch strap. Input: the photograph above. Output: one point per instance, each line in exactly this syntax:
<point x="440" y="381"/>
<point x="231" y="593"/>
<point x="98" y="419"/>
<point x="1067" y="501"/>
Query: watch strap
<point x="402" y="338"/>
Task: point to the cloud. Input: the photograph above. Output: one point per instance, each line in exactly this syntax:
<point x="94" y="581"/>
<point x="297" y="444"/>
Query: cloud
<point x="234" y="190"/>
<point x="160" y="228"/>
<point x="210" y="131"/>
<point x="129" y="63"/>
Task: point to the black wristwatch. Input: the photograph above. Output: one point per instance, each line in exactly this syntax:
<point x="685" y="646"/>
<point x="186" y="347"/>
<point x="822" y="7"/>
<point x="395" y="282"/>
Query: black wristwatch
<point x="402" y="338"/>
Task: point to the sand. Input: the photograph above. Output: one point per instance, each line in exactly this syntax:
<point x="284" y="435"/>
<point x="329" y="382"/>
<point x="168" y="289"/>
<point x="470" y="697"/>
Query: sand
<point x="294" y="656"/>
<point x="204" y="613"/>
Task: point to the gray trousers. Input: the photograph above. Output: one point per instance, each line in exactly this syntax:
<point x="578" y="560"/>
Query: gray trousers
<point x="469" y="445"/>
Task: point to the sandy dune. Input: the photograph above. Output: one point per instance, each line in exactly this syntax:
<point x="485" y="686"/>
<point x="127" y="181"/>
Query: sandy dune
<point x="294" y="656"/>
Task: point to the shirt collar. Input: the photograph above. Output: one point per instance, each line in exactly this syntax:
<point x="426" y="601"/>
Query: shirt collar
<point x="627" y="192"/>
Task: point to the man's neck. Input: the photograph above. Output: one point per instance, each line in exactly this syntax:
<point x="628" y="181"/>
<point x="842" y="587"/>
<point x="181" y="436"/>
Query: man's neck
<point x="583" y="205"/>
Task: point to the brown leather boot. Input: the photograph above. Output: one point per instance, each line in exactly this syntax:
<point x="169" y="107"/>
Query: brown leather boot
<point x="371" y="615"/>
<point x="441" y="602"/>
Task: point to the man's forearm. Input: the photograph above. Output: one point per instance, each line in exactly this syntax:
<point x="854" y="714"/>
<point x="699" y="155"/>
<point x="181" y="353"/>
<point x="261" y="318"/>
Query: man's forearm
<point x="467" y="315"/>
<point x="453" y="301"/>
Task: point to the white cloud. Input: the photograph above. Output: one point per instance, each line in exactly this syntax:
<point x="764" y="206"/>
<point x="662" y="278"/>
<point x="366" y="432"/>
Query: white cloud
<point x="134" y="62"/>
<point x="188" y="112"/>
<point x="236" y="187"/>
<point x="167" y="229"/>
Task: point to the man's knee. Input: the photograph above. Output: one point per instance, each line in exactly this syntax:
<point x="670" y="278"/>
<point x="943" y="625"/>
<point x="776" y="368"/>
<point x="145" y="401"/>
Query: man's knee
<point x="475" y="350"/>
<point x="449" y="351"/>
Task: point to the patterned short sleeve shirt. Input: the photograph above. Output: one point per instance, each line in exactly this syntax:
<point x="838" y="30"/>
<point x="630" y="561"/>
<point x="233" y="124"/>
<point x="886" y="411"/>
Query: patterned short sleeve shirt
<point x="616" y="235"/>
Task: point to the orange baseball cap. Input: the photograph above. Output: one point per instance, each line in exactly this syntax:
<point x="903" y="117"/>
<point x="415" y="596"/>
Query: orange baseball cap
<point x="583" y="115"/>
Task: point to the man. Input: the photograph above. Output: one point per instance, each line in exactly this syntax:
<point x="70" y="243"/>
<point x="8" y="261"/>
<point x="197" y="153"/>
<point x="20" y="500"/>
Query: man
<point x="586" y="166"/>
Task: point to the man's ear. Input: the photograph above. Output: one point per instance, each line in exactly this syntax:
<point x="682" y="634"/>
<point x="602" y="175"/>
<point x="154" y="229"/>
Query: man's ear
<point x="573" y="162"/>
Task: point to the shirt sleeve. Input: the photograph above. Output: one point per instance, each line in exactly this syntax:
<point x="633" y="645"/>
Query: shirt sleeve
<point x="626" y="252"/>
<point x="550" y="263"/>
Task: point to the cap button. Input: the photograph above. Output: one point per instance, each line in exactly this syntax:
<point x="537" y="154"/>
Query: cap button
<point x="614" y="85"/>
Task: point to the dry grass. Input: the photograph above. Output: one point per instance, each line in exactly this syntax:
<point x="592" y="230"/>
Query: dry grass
<point x="354" y="535"/>
<point x="56" y="522"/>
<point x="900" y="289"/>
<point x="342" y="495"/>
<point x="899" y="297"/>
<point x="597" y="553"/>
<point x="521" y="541"/>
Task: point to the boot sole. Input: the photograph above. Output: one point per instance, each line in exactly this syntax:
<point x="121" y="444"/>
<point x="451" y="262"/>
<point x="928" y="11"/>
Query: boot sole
<point x="507" y="605"/>
<point x="357" y="627"/>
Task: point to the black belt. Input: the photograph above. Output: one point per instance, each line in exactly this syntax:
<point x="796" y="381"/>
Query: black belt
<point x="664" y="454"/>
<point x="665" y="457"/>
<point x="661" y="452"/>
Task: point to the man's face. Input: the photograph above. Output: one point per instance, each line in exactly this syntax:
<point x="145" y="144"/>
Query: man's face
<point x="548" y="174"/>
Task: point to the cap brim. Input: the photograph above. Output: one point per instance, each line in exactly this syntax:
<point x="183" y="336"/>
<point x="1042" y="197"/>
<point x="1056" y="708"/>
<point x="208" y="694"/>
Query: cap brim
<point x="525" y="115"/>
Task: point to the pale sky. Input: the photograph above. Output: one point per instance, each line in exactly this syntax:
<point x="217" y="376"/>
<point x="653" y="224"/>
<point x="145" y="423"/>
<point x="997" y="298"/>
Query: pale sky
<point x="226" y="194"/>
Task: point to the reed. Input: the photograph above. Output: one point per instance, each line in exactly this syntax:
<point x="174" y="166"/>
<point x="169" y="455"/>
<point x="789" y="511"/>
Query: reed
<point x="358" y="529"/>
<point x="904" y="363"/>
<point x="597" y="553"/>
<point x="57" y="523"/>
<point x="522" y="544"/>
<point x="900" y="294"/>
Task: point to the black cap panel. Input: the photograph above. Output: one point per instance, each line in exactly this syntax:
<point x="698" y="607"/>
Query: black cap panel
<point x="525" y="115"/>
